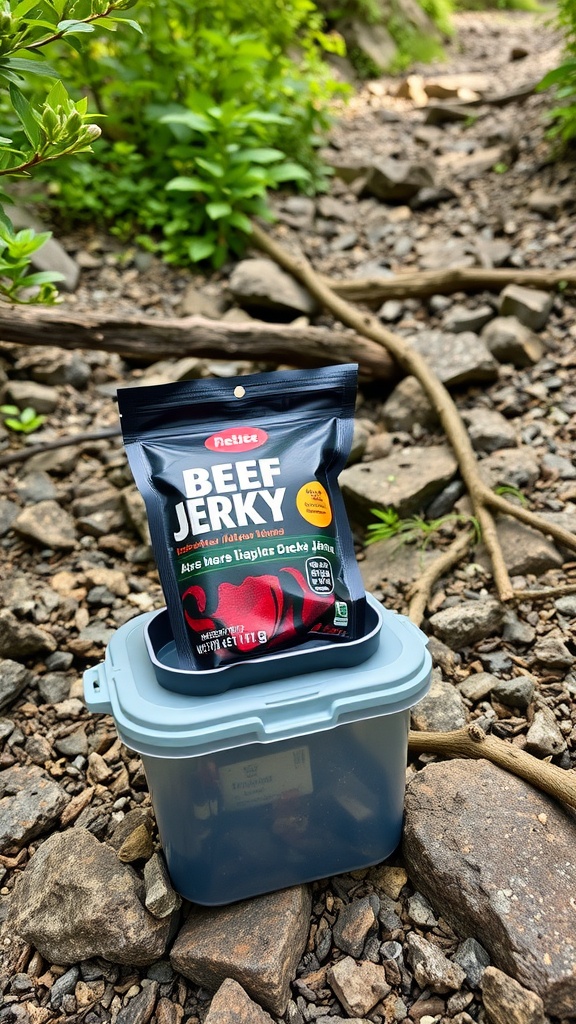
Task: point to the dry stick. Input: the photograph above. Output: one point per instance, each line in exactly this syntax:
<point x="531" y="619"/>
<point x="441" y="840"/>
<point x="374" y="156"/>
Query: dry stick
<point x="420" y="592"/>
<point x="22" y="454"/>
<point x="473" y="742"/>
<point x="418" y="283"/>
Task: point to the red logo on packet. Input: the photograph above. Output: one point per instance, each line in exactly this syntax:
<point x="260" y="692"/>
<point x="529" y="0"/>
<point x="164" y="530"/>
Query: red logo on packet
<point x="236" y="439"/>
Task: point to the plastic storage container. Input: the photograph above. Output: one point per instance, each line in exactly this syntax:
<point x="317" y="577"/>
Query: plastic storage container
<point x="274" y="784"/>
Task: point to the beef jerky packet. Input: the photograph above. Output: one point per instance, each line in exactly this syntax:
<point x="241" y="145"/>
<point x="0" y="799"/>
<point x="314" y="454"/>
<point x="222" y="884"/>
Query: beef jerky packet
<point x="248" y="525"/>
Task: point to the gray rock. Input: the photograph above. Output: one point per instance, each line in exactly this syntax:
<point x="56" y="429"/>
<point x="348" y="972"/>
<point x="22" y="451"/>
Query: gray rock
<point x="552" y="652"/>
<point x="373" y="40"/>
<point x="390" y="561"/>
<point x="13" y="678"/>
<point x="444" y="502"/>
<point x="507" y="1001"/>
<point x="355" y="923"/>
<point x="514" y="693"/>
<point x="391" y="310"/>
<point x="432" y="969"/>
<point x="53" y="366"/>
<point x="477" y="843"/>
<point x="54" y="687"/>
<point x="526" y="551"/>
<point x="392" y="180"/>
<point x="408" y="405"/>
<point x="73" y="744"/>
<point x="406" y="481"/>
<point x="257" y="942"/>
<point x="161" y="900"/>
<point x="298" y="212"/>
<point x="548" y="204"/>
<point x="566" y="605"/>
<point x="510" y="341"/>
<point x="35" y="487"/>
<point x="231" y="1005"/>
<point x="140" y="1007"/>
<point x="8" y="513"/>
<point x="358" y="984"/>
<point x="260" y="284"/>
<point x="517" y="631"/>
<point x="21" y="639"/>
<point x="468" y="622"/>
<point x="531" y="306"/>
<point x="31" y="802"/>
<point x="473" y="959"/>
<point x="544" y="738"/>
<point x="510" y="467"/>
<point x="489" y="430"/>
<point x="560" y="466"/>
<point x="64" y="986"/>
<point x="99" y="900"/>
<point x="25" y="393"/>
<point x="460" y="318"/>
<point x="456" y="358"/>
<point x="477" y="686"/>
<point x="441" y="710"/>
<point x="197" y="302"/>
<point x="47" y="524"/>
<point x="420" y="912"/>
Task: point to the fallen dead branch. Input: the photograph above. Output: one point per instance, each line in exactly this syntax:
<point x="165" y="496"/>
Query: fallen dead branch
<point x="23" y="454"/>
<point x="473" y="742"/>
<point x="153" y="338"/>
<point x="418" y="283"/>
<point x="482" y="498"/>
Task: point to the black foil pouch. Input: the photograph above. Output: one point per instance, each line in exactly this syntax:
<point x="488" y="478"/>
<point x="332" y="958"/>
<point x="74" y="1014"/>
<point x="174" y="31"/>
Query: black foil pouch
<point x="248" y="525"/>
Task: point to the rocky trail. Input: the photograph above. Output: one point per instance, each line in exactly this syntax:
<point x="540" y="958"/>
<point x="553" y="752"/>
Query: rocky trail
<point x="473" y="919"/>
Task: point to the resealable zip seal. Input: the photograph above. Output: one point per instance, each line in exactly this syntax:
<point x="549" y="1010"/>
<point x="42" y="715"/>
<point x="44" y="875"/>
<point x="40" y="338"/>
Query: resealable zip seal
<point x="248" y="525"/>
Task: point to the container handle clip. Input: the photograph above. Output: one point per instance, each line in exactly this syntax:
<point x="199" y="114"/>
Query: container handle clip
<point x="96" y="693"/>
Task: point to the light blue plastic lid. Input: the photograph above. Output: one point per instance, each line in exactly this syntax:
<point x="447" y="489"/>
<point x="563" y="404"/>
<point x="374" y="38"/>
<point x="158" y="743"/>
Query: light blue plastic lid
<point x="155" y="721"/>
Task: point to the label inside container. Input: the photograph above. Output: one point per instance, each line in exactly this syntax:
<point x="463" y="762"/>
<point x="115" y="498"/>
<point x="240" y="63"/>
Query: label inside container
<point x="264" y="779"/>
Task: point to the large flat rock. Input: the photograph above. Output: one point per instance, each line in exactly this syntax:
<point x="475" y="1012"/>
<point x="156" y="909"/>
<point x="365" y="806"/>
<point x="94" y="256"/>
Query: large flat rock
<point x="407" y="480"/>
<point x="497" y="859"/>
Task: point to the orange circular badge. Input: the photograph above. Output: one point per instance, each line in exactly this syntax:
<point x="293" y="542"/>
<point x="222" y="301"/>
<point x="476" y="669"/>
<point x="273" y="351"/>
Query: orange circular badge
<point x="313" y="504"/>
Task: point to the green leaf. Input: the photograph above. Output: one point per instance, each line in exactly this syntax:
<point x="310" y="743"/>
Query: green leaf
<point x="192" y="119"/>
<point x="26" y="114"/>
<point x="27" y="414"/>
<point x="31" y="67"/>
<point x="200" y="249"/>
<point x="186" y="184"/>
<point x="10" y="410"/>
<point x="73" y="26"/>
<point x="13" y="424"/>
<point x="43" y="277"/>
<point x="216" y="170"/>
<point x="218" y="210"/>
<point x="261" y="155"/>
<point x="289" y="171"/>
<point x="240" y="221"/>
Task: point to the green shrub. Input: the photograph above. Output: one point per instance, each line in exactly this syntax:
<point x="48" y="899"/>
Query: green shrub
<point x="563" y="78"/>
<point x="201" y="120"/>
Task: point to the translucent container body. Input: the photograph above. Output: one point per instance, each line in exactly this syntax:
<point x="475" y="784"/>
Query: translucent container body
<point x="274" y="784"/>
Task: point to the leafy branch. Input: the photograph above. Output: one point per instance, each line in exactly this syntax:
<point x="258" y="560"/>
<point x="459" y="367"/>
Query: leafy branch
<point x="57" y="127"/>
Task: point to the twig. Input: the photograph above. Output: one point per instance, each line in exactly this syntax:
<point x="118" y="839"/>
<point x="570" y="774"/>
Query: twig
<point x="421" y="590"/>
<point x="416" y="283"/>
<point x="544" y="592"/>
<point x="473" y="742"/>
<point x="62" y="442"/>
